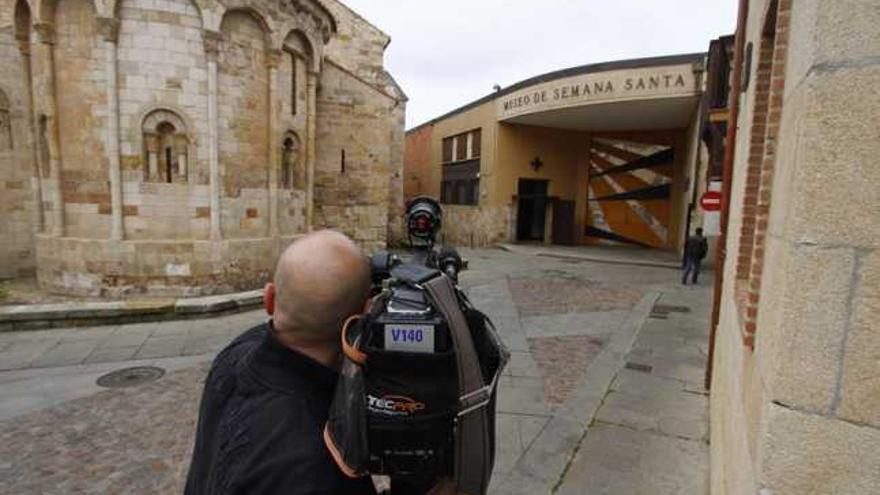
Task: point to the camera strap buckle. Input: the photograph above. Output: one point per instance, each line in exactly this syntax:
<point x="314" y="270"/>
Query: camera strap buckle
<point x="472" y="401"/>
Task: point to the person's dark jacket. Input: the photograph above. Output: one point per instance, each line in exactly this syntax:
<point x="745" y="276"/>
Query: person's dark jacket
<point x="260" y="424"/>
<point x="696" y="248"/>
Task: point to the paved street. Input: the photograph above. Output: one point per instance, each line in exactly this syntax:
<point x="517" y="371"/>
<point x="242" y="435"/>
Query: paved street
<point x="602" y="395"/>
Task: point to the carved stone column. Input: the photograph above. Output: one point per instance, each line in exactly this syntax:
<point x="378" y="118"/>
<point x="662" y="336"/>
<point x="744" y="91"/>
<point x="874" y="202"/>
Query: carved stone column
<point x="212" y="50"/>
<point x="44" y="90"/>
<point x="24" y="47"/>
<point x="181" y="149"/>
<point x="151" y="148"/>
<point x="109" y="29"/>
<point x="311" y="126"/>
<point x="273" y="60"/>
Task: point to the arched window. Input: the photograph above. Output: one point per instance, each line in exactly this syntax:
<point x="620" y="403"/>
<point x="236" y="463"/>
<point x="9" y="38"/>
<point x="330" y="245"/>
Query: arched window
<point x="5" y="123"/>
<point x="292" y="176"/>
<point x="166" y="147"/>
<point x="299" y="50"/>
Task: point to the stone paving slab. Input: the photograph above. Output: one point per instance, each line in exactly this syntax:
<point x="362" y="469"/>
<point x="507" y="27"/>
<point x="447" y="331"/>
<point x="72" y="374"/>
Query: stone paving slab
<point x="650" y="435"/>
<point x="616" y="460"/>
<point x="88" y="345"/>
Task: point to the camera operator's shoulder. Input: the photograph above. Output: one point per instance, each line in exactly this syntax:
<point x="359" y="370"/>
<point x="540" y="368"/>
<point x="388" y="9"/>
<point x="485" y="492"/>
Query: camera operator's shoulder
<point x="240" y="346"/>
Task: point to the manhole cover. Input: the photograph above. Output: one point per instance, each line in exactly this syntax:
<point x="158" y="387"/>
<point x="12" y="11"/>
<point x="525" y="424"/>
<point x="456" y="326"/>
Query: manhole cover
<point x="130" y="377"/>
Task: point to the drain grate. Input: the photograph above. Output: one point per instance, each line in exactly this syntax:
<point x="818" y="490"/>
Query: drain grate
<point x="666" y="308"/>
<point x="644" y="368"/>
<point x="130" y="377"/>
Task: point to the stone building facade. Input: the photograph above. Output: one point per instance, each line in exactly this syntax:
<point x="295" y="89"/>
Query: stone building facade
<point x="795" y="377"/>
<point x="175" y="146"/>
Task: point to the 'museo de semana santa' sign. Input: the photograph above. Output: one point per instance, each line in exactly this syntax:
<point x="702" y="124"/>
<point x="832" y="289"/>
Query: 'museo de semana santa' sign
<point x="600" y="87"/>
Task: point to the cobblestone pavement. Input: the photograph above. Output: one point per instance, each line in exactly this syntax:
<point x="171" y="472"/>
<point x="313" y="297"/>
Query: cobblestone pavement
<point x="575" y="383"/>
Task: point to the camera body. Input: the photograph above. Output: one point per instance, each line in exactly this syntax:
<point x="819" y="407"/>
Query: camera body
<point x="419" y="364"/>
<point x="411" y="424"/>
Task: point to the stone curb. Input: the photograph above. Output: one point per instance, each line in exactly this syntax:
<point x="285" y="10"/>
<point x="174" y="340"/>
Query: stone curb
<point x="592" y="258"/>
<point x="542" y="466"/>
<point x="40" y="316"/>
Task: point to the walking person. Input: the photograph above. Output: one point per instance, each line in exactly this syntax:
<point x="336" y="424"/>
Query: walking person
<point x="695" y="250"/>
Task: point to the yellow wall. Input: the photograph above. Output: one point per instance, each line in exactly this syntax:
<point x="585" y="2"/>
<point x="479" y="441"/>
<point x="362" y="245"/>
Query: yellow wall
<point x="507" y="151"/>
<point x="482" y="117"/>
<point x="562" y="152"/>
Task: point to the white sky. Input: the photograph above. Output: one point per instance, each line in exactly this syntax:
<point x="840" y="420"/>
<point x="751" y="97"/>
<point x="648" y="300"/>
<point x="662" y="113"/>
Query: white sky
<point x="445" y="53"/>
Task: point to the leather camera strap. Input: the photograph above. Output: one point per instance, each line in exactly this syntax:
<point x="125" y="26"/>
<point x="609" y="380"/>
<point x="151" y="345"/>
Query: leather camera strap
<point x="472" y="438"/>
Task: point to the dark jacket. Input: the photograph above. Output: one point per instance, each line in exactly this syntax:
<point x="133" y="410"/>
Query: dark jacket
<point x="260" y="424"/>
<point x="696" y="248"/>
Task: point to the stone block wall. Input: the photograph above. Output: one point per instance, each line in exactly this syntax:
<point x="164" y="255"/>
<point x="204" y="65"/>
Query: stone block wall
<point x="358" y="45"/>
<point x="157" y="268"/>
<point x="243" y="124"/>
<point x="354" y="157"/>
<point x="292" y="198"/>
<point x="476" y="226"/>
<point x="162" y="67"/>
<point x="82" y="114"/>
<point x="17" y="207"/>
<point x="172" y="144"/>
<point x="794" y="407"/>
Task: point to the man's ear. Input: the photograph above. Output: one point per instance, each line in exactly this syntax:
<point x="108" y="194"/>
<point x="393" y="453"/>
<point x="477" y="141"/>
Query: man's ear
<point x="269" y="298"/>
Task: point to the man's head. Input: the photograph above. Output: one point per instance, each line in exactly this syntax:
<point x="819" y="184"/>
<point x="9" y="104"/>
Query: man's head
<point x="699" y="231"/>
<point x="320" y="280"/>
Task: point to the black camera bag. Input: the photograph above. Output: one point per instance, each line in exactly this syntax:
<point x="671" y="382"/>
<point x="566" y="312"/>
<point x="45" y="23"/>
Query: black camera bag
<point x="419" y="416"/>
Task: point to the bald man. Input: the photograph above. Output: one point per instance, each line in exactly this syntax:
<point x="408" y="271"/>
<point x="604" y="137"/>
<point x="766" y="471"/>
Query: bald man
<point x="267" y="396"/>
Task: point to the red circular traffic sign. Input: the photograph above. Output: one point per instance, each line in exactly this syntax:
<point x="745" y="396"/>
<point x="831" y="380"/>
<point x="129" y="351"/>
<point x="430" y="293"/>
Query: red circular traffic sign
<point x="711" y="201"/>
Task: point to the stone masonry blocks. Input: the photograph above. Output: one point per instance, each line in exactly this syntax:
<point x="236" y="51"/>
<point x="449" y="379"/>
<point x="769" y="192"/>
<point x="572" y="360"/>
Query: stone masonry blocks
<point x="836" y="174"/>
<point x="860" y="393"/>
<point x="806" y="454"/>
<point x="162" y="61"/>
<point x="808" y="363"/>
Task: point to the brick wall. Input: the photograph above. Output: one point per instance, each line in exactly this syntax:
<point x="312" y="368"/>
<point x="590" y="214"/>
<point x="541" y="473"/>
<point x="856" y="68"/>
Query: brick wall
<point x="767" y="113"/>
<point x="417" y="161"/>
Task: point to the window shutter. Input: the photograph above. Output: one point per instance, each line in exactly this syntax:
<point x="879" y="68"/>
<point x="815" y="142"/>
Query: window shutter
<point x="476" y="143"/>
<point x="447" y="150"/>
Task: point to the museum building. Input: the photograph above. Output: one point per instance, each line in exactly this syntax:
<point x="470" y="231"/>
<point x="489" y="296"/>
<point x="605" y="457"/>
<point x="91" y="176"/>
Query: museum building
<point x="601" y="153"/>
<point x="175" y="147"/>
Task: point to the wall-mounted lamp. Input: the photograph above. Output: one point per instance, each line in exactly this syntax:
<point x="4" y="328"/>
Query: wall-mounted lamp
<point x="536" y="164"/>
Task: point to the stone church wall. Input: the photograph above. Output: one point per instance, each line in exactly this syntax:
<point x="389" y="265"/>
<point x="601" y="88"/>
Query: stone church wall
<point x="82" y="114"/>
<point x="161" y="65"/>
<point x="243" y="112"/>
<point x="353" y="158"/>
<point x="364" y="101"/>
<point x="16" y="158"/>
<point x="180" y="145"/>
